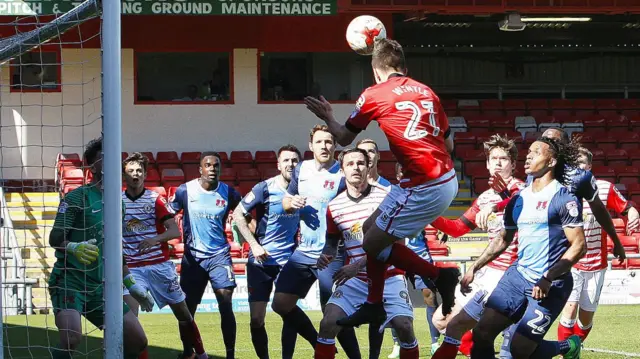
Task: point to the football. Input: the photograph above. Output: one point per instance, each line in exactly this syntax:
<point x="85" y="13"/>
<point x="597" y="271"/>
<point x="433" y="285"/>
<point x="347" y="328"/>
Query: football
<point x="362" y="33"/>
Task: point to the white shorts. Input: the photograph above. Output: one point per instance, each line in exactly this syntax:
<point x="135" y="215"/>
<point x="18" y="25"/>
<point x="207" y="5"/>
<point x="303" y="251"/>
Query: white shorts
<point x="161" y="280"/>
<point x="587" y="287"/>
<point x="406" y="211"/>
<point x="353" y="293"/>
<point x="484" y="282"/>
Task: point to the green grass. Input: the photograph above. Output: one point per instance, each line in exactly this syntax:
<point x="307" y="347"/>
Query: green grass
<point x="616" y="329"/>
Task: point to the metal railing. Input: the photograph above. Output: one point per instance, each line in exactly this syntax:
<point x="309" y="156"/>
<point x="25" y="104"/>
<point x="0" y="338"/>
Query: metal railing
<point x="15" y="287"/>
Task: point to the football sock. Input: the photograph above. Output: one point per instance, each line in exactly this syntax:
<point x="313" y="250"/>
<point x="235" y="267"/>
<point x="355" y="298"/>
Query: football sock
<point x="375" y="272"/>
<point x="228" y="326"/>
<point x="466" y="343"/>
<point x="288" y="339"/>
<point x="260" y="342"/>
<point x="448" y="349"/>
<point x="349" y="343"/>
<point x="565" y="328"/>
<point x="409" y="351"/>
<point x="582" y="331"/>
<point x="301" y="322"/>
<point x="549" y="349"/>
<point x="325" y="349"/>
<point x="375" y="341"/>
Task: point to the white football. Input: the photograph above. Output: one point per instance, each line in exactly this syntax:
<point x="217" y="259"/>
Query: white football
<point x="363" y="31"/>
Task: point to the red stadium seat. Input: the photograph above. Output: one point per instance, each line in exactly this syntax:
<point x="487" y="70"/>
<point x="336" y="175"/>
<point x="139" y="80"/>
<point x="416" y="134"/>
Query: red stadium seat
<point x="537" y="107"/>
<point x="634" y="123"/>
<point x="266" y="157"/>
<point x="619" y="225"/>
<point x="464" y="141"/>
<point x="245" y="187"/>
<point x="336" y="154"/>
<point x="628" y="104"/>
<point x="633" y="263"/>
<point x="163" y="157"/>
<point x="152" y="175"/>
<point x="492" y="107"/>
<point x="634" y="192"/>
<point x="531" y="137"/>
<point x="605" y="173"/>
<point x="241" y="157"/>
<point x="450" y="106"/>
<point x="628" y="175"/>
<point x="249" y="174"/>
<point x="514" y="107"/>
<point x="634" y="157"/>
<point x="68" y="158"/>
<point x="617" y="157"/>
<point x="474" y="159"/>
<point x="595" y="123"/>
<point x="387" y="170"/>
<point x="628" y="140"/>
<point x="604" y="140"/>
<point x="150" y="157"/>
<point x="480" y="185"/>
<point x="228" y="175"/>
<point x="239" y="268"/>
<point x="502" y="124"/>
<point x="124" y="155"/>
<point x="583" y="105"/>
<point x="437" y="249"/>
<point x="269" y="172"/>
<point x="191" y="171"/>
<point x="190" y="157"/>
<point x="618" y="123"/>
<point x="308" y="155"/>
<point x="599" y="158"/>
<point x="629" y="243"/>
<point x="224" y="157"/>
<point x="241" y="166"/>
<point x="478" y="122"/>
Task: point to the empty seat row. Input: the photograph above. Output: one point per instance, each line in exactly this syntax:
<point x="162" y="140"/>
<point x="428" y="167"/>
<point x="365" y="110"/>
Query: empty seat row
<point x="539" y="106"/>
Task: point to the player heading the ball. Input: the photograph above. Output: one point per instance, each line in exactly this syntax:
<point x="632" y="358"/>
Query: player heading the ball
<point x="409" y="113"/>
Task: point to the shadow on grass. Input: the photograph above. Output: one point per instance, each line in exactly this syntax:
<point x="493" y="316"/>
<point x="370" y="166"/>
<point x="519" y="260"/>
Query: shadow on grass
<point x="21" y="342"/>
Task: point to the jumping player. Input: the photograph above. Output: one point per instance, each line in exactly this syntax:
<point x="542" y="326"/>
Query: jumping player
<point x="147" y="227"/>
<point x="502" y="154"/>
<point x="206" y="203"/>
<point x="75" y="284"/>
<point x="588" y="273"/>
<point x="345" y="216"/>
<point x="419" y="245"/>
<point x="276" y="232"/>
<point x="533" y="290"/>
<point x="414" y="122"/>
<point x="371" y="147"/>
<point x="313" y="184"/>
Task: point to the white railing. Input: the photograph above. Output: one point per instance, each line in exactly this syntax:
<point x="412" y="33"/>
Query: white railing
<point x="15" y="287"/>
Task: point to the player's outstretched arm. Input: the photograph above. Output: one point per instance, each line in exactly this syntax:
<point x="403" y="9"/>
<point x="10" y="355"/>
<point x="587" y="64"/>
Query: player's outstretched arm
<point x="240" y="220"/>
<point x="496" y="246"/>
<point x="603" y="217"/>
<point x="322" y="109"/>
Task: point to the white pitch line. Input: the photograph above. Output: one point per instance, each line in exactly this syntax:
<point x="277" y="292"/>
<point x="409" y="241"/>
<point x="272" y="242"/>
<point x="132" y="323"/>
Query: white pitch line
<point x="605" y="351"/>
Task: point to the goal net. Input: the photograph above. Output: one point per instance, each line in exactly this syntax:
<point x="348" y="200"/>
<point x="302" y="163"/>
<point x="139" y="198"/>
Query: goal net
<point x="50" y="108"/>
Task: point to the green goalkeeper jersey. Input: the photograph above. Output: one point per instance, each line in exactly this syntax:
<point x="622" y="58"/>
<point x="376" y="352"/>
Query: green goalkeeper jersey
<point x="80" y="216"/>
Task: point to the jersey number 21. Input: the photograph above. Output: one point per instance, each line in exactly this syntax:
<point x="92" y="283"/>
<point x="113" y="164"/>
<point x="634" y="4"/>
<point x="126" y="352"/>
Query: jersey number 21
<point x="412" y="132"/>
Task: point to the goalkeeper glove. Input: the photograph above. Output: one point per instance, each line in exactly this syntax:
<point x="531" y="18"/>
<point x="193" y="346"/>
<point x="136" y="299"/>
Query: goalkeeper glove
<point x="138" y="293"/>
<point x="86" y="252"/>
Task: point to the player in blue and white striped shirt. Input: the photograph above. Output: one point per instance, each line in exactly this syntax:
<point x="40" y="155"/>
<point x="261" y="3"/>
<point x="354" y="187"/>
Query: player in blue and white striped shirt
<point x="272" y="244"/>
<point x="535" y="288"/>
<point x="206" y="203"/>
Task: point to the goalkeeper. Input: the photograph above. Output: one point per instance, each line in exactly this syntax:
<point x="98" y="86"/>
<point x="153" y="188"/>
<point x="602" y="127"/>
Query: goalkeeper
<point x="75" y="284"/>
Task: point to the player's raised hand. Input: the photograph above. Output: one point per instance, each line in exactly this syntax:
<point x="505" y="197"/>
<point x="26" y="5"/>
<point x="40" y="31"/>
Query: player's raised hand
<point x="86" y="252"/>
<point x="259" y="253"/>
<point x="298" y="202"/>
<point x="324" y="260"/>
<point x="319" y="106"/>
<point x="541" y="289"/>
<point x="497" y="183"/>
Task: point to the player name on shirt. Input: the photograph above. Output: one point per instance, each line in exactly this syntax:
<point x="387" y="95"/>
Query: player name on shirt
<point x="346" y="216"/>
<point x="415" y="89"/>
<point x="143" y="219"/>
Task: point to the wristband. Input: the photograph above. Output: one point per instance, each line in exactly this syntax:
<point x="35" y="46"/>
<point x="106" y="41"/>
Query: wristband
<point x="129" y="281"/>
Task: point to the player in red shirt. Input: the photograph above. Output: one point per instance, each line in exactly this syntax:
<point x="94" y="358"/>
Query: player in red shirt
<point x="588" y="273"/>
<point x="147" y="227"/>
<point x="414" y="122"/>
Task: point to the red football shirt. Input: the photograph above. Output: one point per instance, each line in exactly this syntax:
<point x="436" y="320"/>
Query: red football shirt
<point x="411" y="116"/>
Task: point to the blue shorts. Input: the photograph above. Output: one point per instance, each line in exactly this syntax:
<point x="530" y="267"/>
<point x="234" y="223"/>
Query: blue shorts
<point x="260" y="279"/>
<point x="196" y="273"/>
<point x="297" y="278"/>
<point x="405" y="212"/>
<point x="512" y="297"/>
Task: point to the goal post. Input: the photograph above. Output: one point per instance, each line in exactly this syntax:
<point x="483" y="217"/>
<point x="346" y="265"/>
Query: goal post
<point x="43" y="116"/>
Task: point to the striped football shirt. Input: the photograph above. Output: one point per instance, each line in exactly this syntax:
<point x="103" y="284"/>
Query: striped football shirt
<point x="144" y="218"/>
<point x="346" y="216"/>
